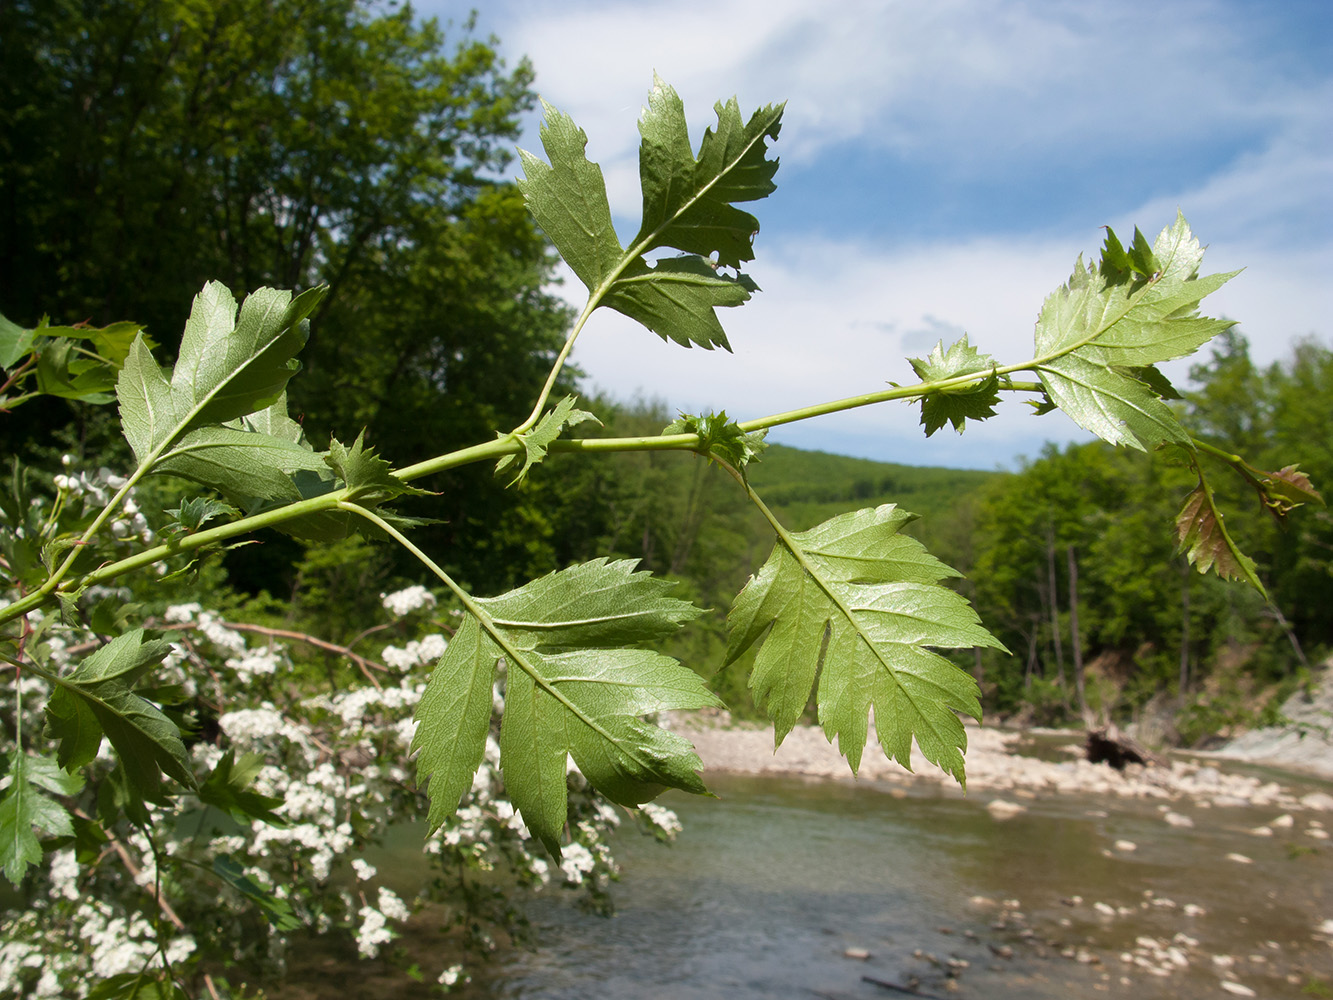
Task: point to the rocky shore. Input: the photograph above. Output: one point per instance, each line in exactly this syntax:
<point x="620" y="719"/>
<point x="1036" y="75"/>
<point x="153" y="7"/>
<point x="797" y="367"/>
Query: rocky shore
<point x="1124" y="938"/>
<point x="996" y="765"/>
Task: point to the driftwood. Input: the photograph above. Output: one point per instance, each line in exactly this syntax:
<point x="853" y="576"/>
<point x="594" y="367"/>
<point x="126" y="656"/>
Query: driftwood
<point x="1108" y="744"/>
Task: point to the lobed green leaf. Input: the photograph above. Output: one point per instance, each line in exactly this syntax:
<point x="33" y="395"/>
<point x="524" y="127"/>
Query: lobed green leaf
<point x="856" y="603"/>
<point x="98" y="698"/>
<point x="24" y="808"/>
<point x="1098" y="336"/>
<point x="687" y="203"/>
<point x="536" y="441"/>
<point x="567" y="197"/>
<point x="676" y="299"/>
<point x="974" y="400"/>
<point x="575" y="686"/>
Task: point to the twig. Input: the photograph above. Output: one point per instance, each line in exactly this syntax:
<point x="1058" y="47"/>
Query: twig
<point x="365" y="664"/>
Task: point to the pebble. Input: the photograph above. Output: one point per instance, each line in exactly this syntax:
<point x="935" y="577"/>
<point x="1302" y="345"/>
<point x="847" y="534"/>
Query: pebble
<point x="860" y="954"/>
<point x="1317" y="833"/>
<point x="1126" y="845"/>
<point x="1002" y="810"/>
<point x="1240" y="859"/>
<point x="1283" y="822"/>
<point x="1001" y="950"/>
<point x="1105" y="909"/>
<point x="1194" y="910"/>
<point x="1237" y="989"/>
<point x="1178" y="819"/>
<point x="1261" y="831"/>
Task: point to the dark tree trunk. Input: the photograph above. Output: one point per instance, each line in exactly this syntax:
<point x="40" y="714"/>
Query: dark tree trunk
<point x="1074" y="638"/>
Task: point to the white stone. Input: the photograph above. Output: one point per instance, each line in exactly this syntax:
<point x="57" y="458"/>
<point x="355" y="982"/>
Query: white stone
<point x="1002" y="810"/>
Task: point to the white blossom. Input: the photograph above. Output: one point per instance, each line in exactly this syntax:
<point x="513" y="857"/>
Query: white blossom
<point x="373" y="932"/>
<point x="662" y="818"/>
<point x="576" y="862"/>
<point x="407" y="600"/>
<point x="391" y="906"/>
<point x="450" y="975"/>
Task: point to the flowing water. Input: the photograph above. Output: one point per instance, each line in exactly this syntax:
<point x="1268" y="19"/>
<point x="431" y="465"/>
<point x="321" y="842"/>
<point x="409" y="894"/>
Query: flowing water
<point x="770" y="888"/>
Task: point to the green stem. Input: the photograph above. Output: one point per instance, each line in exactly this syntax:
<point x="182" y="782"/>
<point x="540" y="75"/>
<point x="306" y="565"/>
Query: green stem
<point x="896" y="392"/>
<point x="487" y="451"/>
<point x="512" y="654"/>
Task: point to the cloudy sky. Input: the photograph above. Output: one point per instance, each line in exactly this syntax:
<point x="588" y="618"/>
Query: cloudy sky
<point x="943" y="164"/>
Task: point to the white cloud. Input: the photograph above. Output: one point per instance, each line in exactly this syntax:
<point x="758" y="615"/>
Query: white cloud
<point x="973" y="89"/>
<point x="838" y="320"/>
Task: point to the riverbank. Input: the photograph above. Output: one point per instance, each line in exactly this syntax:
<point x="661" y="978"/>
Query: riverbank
<point x="999" y="765"/>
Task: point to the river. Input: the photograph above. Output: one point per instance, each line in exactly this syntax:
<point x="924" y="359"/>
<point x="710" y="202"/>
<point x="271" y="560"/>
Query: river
<point x="775" y="889"/>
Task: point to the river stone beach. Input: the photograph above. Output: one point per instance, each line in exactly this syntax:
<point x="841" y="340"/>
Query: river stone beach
<point x="996" y="766"/>
<point x="1024" y="773"/>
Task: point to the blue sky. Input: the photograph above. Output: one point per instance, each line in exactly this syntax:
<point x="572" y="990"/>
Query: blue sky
<point x="943" y="164"/>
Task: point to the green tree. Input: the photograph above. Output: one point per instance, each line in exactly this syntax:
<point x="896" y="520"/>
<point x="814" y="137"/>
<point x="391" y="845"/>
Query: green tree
<point x="286" y="143"/>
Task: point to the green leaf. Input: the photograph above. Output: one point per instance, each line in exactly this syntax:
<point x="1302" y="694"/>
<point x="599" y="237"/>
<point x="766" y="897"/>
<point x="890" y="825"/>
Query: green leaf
<point x="15" y="342"/>
<point x="973" y="400"/>
<point x="278" y="912"/>
<point x="1124" y="265"/>
<point x="687" y="204"/>
<point x="195" y="512"/>
<point x="228" y="788"/>
<point x="857" y="603"/>
<point x="1134" y="310"/>
<point x="24" y="809"/>
<point x="151" y="984"/>
<point x="568" y="200"/>
<point x="1115" y="407"/>
<point x="98" y="698"/>
<point x="676" y="298"/>
<point x="576" y="685"/>
<point x="536" y="441"/>
<point x="1207" y="544"/>
<point x="720" y="438"/>
<point x="240" y="464"/>
<point x="62" y="370"/>
<point x="369" y="477"/>
<point x="43" y="772"/>
<point x="227" y="368"/>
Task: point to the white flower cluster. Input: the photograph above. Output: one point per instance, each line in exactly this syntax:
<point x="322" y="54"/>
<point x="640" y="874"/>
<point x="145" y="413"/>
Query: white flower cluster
<point x="426" y="650"/>
<point x="662" y="818"/>
<point x="339" y="765"/>
<point x="96" y="490"/>
<point x="404" y="602"/>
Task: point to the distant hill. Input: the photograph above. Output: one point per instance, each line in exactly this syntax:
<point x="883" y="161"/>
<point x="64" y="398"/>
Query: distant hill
<point x="807" y="487"/>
